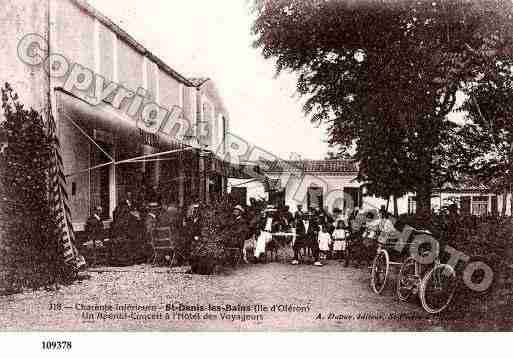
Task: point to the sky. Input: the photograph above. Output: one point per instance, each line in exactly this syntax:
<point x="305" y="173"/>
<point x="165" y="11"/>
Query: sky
<point x="213" y="39"/>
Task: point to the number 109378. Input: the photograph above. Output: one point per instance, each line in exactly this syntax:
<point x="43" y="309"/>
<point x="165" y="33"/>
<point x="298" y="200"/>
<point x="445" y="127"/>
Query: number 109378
<point x="56" y="345"/>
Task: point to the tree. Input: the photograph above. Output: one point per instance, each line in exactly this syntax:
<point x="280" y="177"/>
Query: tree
<point x="488" y="131"/>
<point x="335" y="155"/>
<point x="380" y="169"/>
<point x="32" y="255"/>
<point x="386" y="76"/>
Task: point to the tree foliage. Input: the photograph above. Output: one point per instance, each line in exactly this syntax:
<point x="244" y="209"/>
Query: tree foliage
<point x="31" y="255"/>
<point x="488" y="131"/>
<point x="385" y="75"/>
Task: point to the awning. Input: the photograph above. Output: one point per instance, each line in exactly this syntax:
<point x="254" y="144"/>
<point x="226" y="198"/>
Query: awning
<point x="103" y="123"/>
<point x="103" y="118"/>
<point x="107" y="124"/>
<point x="244" y="171"/>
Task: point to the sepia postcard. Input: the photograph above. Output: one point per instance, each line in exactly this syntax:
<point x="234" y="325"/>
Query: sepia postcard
<point x="256" y="165"/>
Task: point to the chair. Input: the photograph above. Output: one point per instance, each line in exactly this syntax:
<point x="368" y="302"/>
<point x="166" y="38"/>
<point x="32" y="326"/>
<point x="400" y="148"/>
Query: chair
<point x="96" y="251"/>
<point x="234" y="255"/>
<point x="163" y="242"/>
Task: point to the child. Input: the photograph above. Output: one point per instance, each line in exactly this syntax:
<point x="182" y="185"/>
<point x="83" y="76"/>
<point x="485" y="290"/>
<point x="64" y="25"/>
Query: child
<point x="339" y="237"/>
<point x="324" y="242"/>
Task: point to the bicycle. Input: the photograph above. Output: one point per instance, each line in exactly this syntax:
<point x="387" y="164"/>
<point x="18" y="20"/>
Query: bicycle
<point x="435" y="284"/>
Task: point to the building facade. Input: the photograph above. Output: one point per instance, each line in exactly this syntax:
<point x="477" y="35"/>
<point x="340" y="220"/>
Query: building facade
<point x="127" y="122"/>
<point x="333" y="183"/>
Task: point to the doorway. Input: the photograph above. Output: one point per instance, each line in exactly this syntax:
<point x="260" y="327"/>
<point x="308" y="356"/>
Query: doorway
<point x="100" y="179"/>
<point x="315" y="197"/>
<point x="352" y="198"/>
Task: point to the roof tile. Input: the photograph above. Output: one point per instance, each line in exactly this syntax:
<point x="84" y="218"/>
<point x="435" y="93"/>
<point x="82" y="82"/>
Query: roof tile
<point x="324" y="166"/>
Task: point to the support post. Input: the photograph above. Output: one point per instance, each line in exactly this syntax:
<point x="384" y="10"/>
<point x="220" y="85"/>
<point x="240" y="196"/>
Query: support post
<point x="181" y="182"/>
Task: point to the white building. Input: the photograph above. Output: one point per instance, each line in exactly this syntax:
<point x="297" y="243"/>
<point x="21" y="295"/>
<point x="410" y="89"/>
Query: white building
<point x="332" y="183"/>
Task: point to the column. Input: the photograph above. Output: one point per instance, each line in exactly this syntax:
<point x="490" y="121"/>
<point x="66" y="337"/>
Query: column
<point x="201" y="172"/>
<point x="181" y="182"/>
<point x="157" y="170"/>
<point x="223" y="185"/>
<point x="112" y="185"/>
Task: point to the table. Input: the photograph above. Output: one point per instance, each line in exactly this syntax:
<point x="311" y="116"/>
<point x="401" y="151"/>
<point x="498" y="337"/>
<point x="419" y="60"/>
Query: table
<point x="283" y="236"/>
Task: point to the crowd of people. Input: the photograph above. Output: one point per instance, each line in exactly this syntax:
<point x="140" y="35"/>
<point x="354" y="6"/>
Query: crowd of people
<point x="315" y="233"/>
<point x="256" y="230"/>
<point x="133" y="220"/>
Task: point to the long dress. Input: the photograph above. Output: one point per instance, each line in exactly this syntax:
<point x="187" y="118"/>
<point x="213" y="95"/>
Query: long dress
<point x="339" y="234"/>
<point x="264" y="238"/>
<point x="324" y="240"/>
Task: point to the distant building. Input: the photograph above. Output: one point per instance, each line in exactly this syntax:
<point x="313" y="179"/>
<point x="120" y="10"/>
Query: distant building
<point x="315" y="183"/>
<point x="311" y="183"/>
<point x="332" y="183"/>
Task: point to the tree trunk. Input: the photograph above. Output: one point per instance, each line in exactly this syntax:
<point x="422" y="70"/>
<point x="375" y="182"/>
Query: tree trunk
<point x="396" y="210"/>
<point x="388" y="202"/>
<point x="424" y="201"/>
<point x="504" y="198"/>
<point x="511" y="203"/>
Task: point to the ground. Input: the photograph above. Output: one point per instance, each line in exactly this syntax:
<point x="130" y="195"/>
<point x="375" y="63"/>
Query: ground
<point x="345" y="292"/>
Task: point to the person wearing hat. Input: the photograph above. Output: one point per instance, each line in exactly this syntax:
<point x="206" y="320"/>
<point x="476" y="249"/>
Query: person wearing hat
<point x="94" y="229"/>
<point x="267" y="226"/>
<point x="238" y="210"/>
<point x="286" y="217"/>
<point x="238" y="229"/>
<point x="307" y="230"/>
<point x="253" y="216"/>
<point x="299" y="213"/>
<point x="150" y="223"/>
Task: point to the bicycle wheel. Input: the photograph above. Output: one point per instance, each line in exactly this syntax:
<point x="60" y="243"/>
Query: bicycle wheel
<point x="407" y="281"/>
<point x="437" y="288"/>
<point x="380" y="269"/>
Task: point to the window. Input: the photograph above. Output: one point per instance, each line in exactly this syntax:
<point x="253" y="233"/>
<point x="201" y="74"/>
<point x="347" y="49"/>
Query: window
<point x="465" y="207"/>
<point x="240" y="194"/>
<point x="315" y="198"/>
<point x="206" y="125"/>
<point x="224" y="129"/>
<point x="412" y="205"/>
<point x="99" y="179"/>
<point x="192" y="115"/>
<point x="219" y="132"/>
<point x="479" y="205"/>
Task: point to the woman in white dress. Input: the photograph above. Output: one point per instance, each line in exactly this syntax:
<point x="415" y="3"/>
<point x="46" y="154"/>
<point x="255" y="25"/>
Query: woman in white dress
<point x="340" y="234"/>
<point x="324" y="239"/>
<point x="265" y="235"/>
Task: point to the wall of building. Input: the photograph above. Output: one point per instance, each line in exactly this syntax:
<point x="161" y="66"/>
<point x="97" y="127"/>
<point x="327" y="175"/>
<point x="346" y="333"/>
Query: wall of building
<point x="76" y="158"/>
<point x="255" y="189"/>
<point x="296" y="187"/>
<point x="211" y="110"/>
<point x="84" y="39"/>
<point x="505" y="200"/>
<point x="439" y="201"/>
<point x="17" y="18"/>
<point x="169" y="88"/>
<point x="373" y="202"/>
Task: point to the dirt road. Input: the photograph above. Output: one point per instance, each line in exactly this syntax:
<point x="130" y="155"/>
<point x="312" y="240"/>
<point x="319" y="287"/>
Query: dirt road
<point x="253" y="297"/>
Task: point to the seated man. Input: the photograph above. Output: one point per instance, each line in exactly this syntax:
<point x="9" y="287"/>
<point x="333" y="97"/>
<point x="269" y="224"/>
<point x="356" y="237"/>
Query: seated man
<point x="169" y="216"/>
<point x="94" y="229"/>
